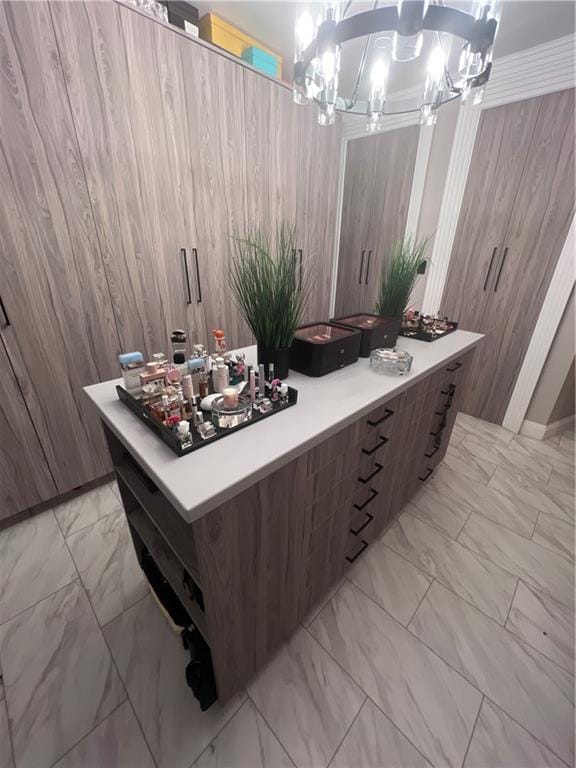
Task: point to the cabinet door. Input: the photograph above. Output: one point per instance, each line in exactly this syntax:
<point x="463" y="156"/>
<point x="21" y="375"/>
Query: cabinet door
<point x="395" y="157"/>
<point x="271" y="144"/>
<point x="25" y="479"/>
<point x="63" y="334"/>
<point x="215" y="127"/>
<point x="318" y="168"/>
<point x="125" y="86"/>
<point x="498" y="158"/>
<point x="355" y="225"/>
<point x="541" y="215"/>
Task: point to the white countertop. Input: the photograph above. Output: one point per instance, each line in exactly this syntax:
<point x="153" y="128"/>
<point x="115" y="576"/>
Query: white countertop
<point x="201" y="481"/>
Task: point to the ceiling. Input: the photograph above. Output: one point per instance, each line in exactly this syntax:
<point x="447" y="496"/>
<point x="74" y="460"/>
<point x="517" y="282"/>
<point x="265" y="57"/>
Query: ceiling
<point x="524" y="24"/>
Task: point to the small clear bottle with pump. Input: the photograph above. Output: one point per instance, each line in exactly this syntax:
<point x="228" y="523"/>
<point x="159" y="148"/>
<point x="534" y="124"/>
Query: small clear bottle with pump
<point x="183" y="434"/>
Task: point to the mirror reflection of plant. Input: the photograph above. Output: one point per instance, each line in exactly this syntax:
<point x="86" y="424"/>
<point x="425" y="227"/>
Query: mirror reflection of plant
<point x="265" y="282"/>
<point x="398" y="276"/>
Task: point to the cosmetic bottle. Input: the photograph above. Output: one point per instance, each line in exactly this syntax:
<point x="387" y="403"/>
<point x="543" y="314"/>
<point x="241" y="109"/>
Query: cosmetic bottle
<point x="221" y="378"/>
<point x="203" y="385"/>
<point x="195" y="366"/>
<point x="253" y="386"/>
<point x="183" y="434"/>
<point x="188" y="386"/>
<point x="173" y="375"/>
<point x="154" y="375"/>
<point x="261" y="381"/>
<point x="178" y="345"/>
<point x="132" y="365"/>
<point x="219" y="341"/>
<point x="160" y="359"/>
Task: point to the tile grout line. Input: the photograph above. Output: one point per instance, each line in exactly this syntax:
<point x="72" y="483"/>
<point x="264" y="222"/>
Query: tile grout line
<point x="94" y="522"/>
<point x="76" y="578"/>
<point x="276" y="736"/>
<point x="342" y="740"/>
<point x="98" y="724"/>
<point x="512" y="602"/>
<point x="420" y="641"/>
<point x="213" y="739"/>
<point x="473" y="730"/>
<point x="4" y="703"/>
<point x="113" y="660"/>
<point x="420" y="603"/>
<point x="379" y="708"/>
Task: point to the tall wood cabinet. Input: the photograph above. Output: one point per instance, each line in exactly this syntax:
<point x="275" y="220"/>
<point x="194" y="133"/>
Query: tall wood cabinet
<point x="62" y="333"/>
<point x="377" y="188"/>
<point x="516" y="211"/>
<point x="130" y="156"/>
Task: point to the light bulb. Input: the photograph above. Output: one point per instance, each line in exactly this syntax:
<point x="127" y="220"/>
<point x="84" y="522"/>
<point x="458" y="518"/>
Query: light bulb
<point x="436" y="64"/>
<point x="375" y="122"/>
<point x="408" y="39"/>
<point x="303" y="34"/>
<point x="328" y="65"/>
<point x="377" y="98"/>
<point x="428" y="116"/>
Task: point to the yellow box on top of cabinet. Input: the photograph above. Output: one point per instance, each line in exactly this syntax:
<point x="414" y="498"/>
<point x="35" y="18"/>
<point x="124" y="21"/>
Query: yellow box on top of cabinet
<point x="215" y="30"/>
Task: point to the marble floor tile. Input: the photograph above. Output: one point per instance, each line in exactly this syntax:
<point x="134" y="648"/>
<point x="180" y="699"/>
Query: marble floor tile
<point x="509" y="511"/>
<point x="541" y="449"/>
<point x="484" y="429"/>
<point x="390" y="580"/>
<point x="116" y="743"/>
<point x="6" y="759"/>
<point x="433" y="706"/>
<point x="566" y="442"/>
<point x="461" y="460"/>
<point x="458" y="434"/>
<point x="59" y="677"/>
<point x="35" y="563"/>
<point x="375" y="742"/>
<point x="313" y="612"/>
<point x="532" y="470"/>
<point x="108" y="566"/>
<point x="307" y="699"/>
<point x="555" y="535"/>
<point x="544" y="624"/>
<point x="563" y="480"/>
<point x="541" y="497"/>
<point x="87" y="508"/>
<point x="499" y="741"/>
<point x="152" y="663"/>
<point x="440" y="510"/>
<point x="245" y="742"/>
<point x="531" y="562"/>
<point x="474" y="578"/>
<point x="525" y="684"/>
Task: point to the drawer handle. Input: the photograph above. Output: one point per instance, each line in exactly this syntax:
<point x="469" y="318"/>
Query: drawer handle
<point x="454" y="367"/>
<point x="389" y="412"/>
<point x="370" y="498"/>
<point x="366" y="522"/>
<point x="443" y="410"/>
<point x="370" y="451"/>
<point x="426" y="476"/>
<point x="379" y="468"/>
<point x="434" y="450"/>
<point x="357" y="555"/>
<point x="449" y="390"/>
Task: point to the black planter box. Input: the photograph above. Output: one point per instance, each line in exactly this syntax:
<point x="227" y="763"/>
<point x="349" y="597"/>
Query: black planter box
<point x="320" y="348"/>
<point x="179" y="11"/>
<point x="377" y="331"/>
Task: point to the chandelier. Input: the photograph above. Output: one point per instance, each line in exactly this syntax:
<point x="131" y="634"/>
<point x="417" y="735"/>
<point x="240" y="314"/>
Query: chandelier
<point x="318" y="50"/>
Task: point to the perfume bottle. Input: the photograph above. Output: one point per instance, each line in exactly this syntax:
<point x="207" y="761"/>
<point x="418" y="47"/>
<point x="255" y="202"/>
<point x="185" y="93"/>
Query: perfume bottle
<point x="222" y="378"/>
<point x="219" y="341"/>
<point x="178" y="345"/>
<point x="203" y="385"/>
<point x="183" y="434"/>
<point x="132" y="365"/>
<point x="196" y="365"/>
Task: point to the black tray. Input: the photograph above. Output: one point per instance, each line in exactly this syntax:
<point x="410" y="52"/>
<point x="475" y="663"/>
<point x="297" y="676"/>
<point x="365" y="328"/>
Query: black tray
<point x="168" y="437"/>
<point x="421" y="336"/>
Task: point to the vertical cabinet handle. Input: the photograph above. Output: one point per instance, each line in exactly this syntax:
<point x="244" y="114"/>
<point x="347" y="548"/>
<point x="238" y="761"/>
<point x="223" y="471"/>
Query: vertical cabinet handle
<point x="300" y="268"/>
<point x="361" y="267"/>
<point x="185" y="260"/>
<point x="368" y="268"/>
<point x="199" y="299"/>
<point x="6" y="323"/>
<point x="501" y="268"/>
<point x="489" y="269"/>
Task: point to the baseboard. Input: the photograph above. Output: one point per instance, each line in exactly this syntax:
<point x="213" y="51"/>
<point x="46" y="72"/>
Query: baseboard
<point x="543" y="431"/>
